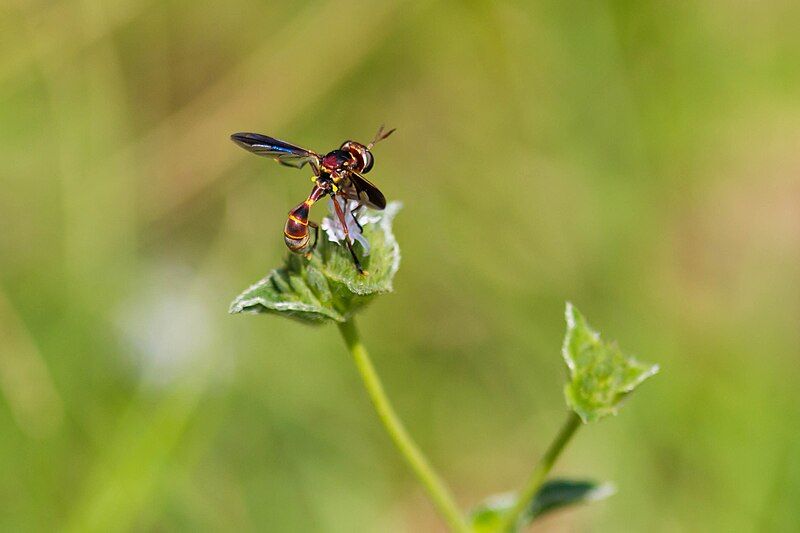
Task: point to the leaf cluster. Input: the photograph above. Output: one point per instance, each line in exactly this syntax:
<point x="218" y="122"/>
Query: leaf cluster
<point x="326" y="286"/>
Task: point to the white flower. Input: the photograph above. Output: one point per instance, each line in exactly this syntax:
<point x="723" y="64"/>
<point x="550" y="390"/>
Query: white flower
<point x="331" y="225"/>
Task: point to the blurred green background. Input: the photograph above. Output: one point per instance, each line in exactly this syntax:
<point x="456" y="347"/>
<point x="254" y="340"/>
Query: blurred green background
<point x="637" y="158"/>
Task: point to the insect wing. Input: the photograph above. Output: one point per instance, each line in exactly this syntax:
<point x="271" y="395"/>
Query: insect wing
<point x="361" y="190"/>
<point x="282" y="152"/>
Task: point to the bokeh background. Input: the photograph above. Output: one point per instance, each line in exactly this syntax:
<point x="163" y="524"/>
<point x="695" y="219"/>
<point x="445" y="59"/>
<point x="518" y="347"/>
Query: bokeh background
<point x="637" y="158"/>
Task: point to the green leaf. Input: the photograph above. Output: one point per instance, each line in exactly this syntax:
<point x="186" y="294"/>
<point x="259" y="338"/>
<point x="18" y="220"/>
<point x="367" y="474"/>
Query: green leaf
<point x="558" y="493"/>
<point x="554" y="494"/>
<point x="601" y="376"/>
<point x="327" y="286"/>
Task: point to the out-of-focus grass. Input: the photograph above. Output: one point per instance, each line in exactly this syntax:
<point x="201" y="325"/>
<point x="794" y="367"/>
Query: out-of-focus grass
<point x="638" y="158"/>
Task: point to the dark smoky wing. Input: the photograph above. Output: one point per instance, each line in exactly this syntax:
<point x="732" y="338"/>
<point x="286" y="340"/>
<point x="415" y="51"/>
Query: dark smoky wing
<point x="281" y="151"/>
<point x="361" y="190"/>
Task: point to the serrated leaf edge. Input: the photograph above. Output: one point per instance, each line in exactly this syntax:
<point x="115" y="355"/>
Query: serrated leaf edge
<point x="247" y="305"/>
<point x="239" y="303"/>
<point x="569" y="314"/>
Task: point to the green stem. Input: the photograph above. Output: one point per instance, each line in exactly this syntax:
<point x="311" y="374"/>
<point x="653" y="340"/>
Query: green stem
<point x="436" y="488"/>
<point x="540" y="472"/>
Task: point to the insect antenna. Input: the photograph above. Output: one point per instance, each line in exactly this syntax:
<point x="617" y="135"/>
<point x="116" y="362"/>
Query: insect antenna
<point x="379" y="136"/>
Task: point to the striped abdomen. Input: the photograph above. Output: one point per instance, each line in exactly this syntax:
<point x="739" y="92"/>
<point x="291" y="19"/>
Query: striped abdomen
<point x="295" y="233"/>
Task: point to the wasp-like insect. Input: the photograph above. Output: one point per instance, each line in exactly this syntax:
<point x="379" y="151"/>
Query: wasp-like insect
<point x="338" y="173"/>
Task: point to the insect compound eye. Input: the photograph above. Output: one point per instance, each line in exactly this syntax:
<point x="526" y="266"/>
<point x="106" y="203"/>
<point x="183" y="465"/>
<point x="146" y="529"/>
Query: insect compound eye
<point x="368" y="161"/>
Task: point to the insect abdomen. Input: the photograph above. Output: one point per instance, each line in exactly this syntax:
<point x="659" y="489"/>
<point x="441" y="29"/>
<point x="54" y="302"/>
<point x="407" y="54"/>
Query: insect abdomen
<point x="295" y="233"/>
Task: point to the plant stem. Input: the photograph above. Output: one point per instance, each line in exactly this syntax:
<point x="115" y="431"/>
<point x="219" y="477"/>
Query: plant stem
<point x="540" y="471"/>
<point x="436" y="488"/>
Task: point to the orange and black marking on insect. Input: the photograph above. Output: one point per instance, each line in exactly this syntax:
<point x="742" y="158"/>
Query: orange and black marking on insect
<point x="338" y="173"/>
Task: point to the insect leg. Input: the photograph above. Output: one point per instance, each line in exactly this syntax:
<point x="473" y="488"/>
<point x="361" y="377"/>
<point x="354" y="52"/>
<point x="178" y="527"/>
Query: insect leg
<point x="353" y="214"/>
<point x="340" y="214"/>
<point x="313" y="225"/>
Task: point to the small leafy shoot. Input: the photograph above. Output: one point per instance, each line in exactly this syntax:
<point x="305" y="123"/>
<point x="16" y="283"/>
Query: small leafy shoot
<point x="326" y="286"/>
<point x="601" y="376"/>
